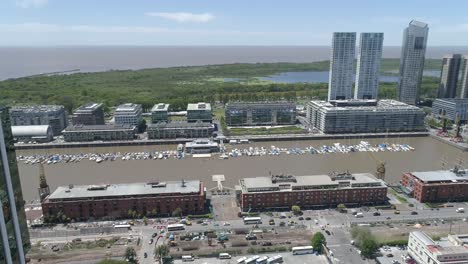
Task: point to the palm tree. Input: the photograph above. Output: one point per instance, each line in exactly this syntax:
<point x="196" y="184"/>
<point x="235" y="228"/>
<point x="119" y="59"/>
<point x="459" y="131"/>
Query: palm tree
<point x="161" y="251"/>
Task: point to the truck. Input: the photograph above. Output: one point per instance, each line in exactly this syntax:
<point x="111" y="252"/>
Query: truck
<point x="359" y="215"/>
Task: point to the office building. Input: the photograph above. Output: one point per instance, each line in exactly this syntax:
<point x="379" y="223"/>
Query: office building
<point x="81" y="133"/>
<point x="283" y="191"/>
<point x="159" y="113"/>
<point x="464" y="78"/>
<point x="451" y="106"/>
<point x="128" y="114"/>
<point x="14" y="236"/>
<point x="260" y="113"/>
<point x="39" y="134"/>
<point x="368" y="66"/>
<point x="89" y="114"/>
<point x="199" y="112"/>
<point x="448" y="250"/>
<point x="364" y="116"/>
<point x="201" y="146"/>
<point x="52" y="115"/>
<point x="341" y="79"/>
<point x="115" y="201"/>
<point x="413" y="52"/>
<point x="449" y="76"/>
<point x="436" y="186"/>
<point x="179" y="129"/>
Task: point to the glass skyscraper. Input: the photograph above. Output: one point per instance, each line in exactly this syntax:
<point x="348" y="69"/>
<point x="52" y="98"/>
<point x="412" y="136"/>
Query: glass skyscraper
<point x="14" y="236"/>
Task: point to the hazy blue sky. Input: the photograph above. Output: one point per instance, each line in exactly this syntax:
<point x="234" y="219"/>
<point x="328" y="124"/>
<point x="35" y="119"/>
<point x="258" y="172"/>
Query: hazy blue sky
<point x="222" y="22"/>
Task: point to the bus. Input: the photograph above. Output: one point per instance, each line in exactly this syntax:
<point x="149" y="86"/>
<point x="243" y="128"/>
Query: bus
<point x="275" y="259"/>
<point x="123" y="227"/>
<point x="251" y="260"/>
<point x="187" y="258"/>
<point x="262" y="260"/>
<point x="224" y="256"/>
<point x="175" y="227"/>
<point x="302" y="250"/>
<point x="252" y="220"/>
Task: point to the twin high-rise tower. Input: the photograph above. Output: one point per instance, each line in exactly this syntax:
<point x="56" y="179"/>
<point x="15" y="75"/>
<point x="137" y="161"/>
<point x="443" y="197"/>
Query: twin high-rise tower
<point x="450" y="86"/>
<point x="342" y="66"/>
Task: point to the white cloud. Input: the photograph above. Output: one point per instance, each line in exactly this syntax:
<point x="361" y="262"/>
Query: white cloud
<point x="31" y="3"/>
<point x="183" y="17"/>
<point x="460" y="28"/>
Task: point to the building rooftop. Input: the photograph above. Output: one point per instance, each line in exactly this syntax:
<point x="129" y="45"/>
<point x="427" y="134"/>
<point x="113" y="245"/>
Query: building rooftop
<point x="160" y="107"/>
<point x="89" y="107"/>
<point x="453" y="244"/>
<point x="180" y="124"/>
<point x="36" y="130"/>
<point x="290" y="182"/>
<point x="418" y="23"/>
<point x="442" y="175"/>
<point x="35" y="108"/>
<point x="107" y="127"/>
<point x="130" y="189"/>
<point x="453" y="100"/>
<point x="199" y="106"/>
<point x="201" y="143"/>
<point x="364" y="105"/>
<point x="129" y="107"/>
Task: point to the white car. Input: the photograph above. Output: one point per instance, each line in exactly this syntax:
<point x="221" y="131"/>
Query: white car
<point x="226" y="224"/>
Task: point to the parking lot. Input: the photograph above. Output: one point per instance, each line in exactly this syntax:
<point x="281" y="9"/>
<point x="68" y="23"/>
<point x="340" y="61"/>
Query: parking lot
<point x="288" y="258"/>
<point x="391" y="255"/>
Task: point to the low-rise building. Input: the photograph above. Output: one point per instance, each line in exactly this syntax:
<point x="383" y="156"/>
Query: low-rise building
<point x="260" y="113"/>
<point x="451" y="106"/>
<point x="40" y="133"/>
<point x="199" y="112"/>
<point x="180" y="129"/>
<point x="80" y="133"/>
<point x="364" y="116"/>
<point x="88" y="114"/>
<point x="284" y="191"/>
<point x="450" y="250"/>
<point x="128" y="114"/>
<point x="114" y="201"/>
<point x="159" y="113"/>
<point x="53" y="115"/>
<point x="436" y="186"/>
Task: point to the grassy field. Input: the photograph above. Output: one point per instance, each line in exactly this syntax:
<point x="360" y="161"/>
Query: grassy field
<point x="181" y="85"/>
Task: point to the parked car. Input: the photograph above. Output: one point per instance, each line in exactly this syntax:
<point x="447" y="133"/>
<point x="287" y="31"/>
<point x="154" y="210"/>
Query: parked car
<point x="301" y="218"/>
<point x="271" y="222"/>
<point x="376" y="214"/>
<point x="308" y="218"/>
<point x="396" y="212"/>
<point x="282" y="224"/>
<point x="414" y="213"/>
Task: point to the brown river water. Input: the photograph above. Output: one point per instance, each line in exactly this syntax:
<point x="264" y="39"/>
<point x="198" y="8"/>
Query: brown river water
<point x="429" y="154"/>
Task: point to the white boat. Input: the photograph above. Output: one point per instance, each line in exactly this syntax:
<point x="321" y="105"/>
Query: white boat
<point x="99" y="160"/>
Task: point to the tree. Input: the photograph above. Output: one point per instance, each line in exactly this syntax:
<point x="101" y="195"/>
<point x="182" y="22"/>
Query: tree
<point x="177" y="212"/>
<point x="130" y="255"/>
<point x="317" y="242"/>
<point x="296" y="209"/>
<point x="141" y="126"/>
<point x="145" y="220"/>
<point x="161" y="251"/>
<point x="341" y="207"/>
<point x="368" y="247"/>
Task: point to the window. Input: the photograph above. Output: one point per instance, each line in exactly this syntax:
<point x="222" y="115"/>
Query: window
<point x="419" y="43"/>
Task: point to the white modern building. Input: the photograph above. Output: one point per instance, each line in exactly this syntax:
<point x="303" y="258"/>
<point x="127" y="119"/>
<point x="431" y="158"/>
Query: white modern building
<point x="364" y="116"/>
<point x="128" y="114"/>
<point x="368" y="66"/>
<point x="34" y="115"/>
<point x="340" y="83"/>
<point x="412" y="61"/>
<point x="464" y="79"/>
<point x="449" y="76"/>
<point x="199" y="112"/>
<point x="450" y="107"/>
<point x="450" y="250"/>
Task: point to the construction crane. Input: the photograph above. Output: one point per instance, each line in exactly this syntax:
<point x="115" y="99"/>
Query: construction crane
<point x="457" y="137"/>
<point x="443" y="132"/>
<point x="380" y="171"/>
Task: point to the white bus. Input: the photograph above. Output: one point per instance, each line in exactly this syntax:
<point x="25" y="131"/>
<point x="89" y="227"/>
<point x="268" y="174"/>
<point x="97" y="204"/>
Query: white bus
<point x="187" y="258"/>
<point x="275" y="259"/>
<point x="252" y="220"/>
<point x="251" y="260"/>
<point x="175" y="227"/>
<point x="262" y="260"/>
<point x="224" y="256"/>
<point x="122" y="226"/>
<point x="302" y="250"/>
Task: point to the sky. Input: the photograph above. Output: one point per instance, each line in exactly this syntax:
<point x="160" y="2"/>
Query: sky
<point x="223" y="22"/>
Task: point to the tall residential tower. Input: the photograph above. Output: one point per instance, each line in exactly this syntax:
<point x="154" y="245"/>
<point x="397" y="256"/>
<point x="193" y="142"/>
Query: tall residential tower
<point x="340" y="82"/>
<point x="464" y="79"/>
<point x="449" y="76"/>
<point x="368" y="66"/>
<point x="14" y="236"/>
<point x="412" y="61"/>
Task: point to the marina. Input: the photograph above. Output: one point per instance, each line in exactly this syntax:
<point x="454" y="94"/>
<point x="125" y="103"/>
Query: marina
<point x="225" y="153"/>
